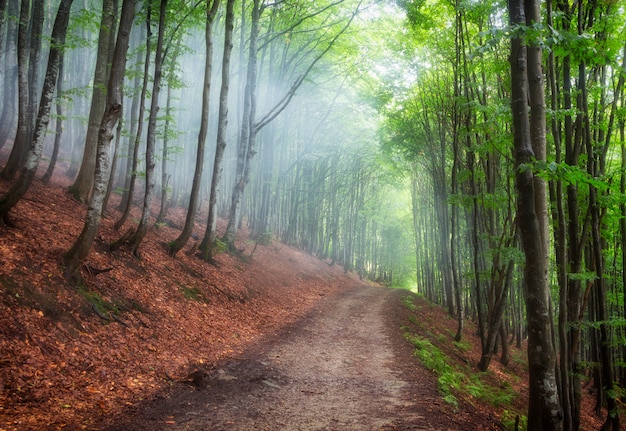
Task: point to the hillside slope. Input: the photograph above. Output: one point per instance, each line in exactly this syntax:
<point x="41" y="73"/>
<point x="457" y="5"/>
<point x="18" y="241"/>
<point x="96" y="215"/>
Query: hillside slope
<point x="71" y="354"/>
<point x="72" y="357"/>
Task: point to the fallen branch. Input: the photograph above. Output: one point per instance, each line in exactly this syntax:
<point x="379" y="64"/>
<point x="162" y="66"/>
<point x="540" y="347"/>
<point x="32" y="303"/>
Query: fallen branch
<point x="120" y="321"/>
<point x="95" y="309"/>
<point x="92" y="270"/>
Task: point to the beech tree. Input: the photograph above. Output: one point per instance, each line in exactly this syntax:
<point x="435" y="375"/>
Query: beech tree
<point x="206" y="246"/>
<point x="176" y="245"/>
<point x="23" y="89"/>
<point x="138" y="112"/>
<point x="55" y="57"/>
<point x="84" y="181"/>
<point x="79" y="251"/>
<point x="8" y="74"/>
<point x="31" y="23"/>
<point x="137" y="237"/>
<point x="544" y="408"/>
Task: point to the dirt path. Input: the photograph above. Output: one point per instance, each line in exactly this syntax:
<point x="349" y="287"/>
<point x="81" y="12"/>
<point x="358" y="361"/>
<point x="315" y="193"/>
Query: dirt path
<point x="337" y="369"/>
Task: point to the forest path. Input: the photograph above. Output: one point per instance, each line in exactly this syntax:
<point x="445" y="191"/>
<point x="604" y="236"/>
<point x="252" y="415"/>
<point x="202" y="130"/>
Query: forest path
<point x="341" y="367"/>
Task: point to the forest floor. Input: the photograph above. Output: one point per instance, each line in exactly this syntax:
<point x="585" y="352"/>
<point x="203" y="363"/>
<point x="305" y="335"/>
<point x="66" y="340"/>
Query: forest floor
<point x="271" y="339"/>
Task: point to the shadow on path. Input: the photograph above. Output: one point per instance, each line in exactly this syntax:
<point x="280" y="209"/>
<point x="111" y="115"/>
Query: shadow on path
<point x="336" y="369"/>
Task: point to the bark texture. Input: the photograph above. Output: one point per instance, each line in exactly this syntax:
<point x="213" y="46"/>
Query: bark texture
<point x="544" y="409"/>
<point x="27" y="173"/>
<point x="79" y="251"/>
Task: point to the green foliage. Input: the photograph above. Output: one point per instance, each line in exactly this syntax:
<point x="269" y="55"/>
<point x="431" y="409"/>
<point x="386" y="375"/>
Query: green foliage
<point x="219" y="246"/>
<point x="83" y="22"/>
<point x="514" y="421"/>
<point x="95" y="299"/>
<point x="567" y="174"/>
<point x="73" y="191"/>
<point x="435" y="360"/>
<point x="463" y="345"/>
<point x="408" y="302"/>
<point x="454" y="382"/>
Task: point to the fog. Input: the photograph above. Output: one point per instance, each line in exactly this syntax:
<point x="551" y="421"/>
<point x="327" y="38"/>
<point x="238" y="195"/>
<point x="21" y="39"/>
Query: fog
<point x="314" y="173"/>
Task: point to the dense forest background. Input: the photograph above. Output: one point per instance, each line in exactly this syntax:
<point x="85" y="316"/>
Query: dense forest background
<point x="385" y="137"/>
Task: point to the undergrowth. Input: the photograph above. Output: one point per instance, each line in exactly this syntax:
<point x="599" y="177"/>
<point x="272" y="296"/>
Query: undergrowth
<point x="457" y="381"/>
<point x="101" y="306"/>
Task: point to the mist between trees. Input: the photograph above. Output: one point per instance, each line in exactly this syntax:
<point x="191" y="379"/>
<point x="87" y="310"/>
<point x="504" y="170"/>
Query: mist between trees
<point x="386" y="137"/>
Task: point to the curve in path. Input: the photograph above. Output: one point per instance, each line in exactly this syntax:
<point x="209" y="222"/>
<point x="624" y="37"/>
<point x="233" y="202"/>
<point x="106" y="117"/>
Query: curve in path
<point x="334" y="370"/>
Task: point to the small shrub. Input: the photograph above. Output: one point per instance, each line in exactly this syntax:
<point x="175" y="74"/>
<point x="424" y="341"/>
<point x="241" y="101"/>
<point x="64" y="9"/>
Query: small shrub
<point x="434" y="359"/>
<point x="264" y="238"/>
<point x="219" y="246"/>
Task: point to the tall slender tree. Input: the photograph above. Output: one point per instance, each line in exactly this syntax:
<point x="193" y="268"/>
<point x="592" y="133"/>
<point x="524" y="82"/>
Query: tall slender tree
<point x="209" y="236"/>
<point x="27" y="173"/>
<point x="23" y="89"/>
<point x="544" y="409"/>
<point x="142" y="229"/>
<point x="176" y="245"/>
<point x="9" y="72"/>
<point x="34" y="15"/>
<point x="59" y="121"/>
<point x="84" y="181"/>
<point x="80" y="250"/>
<point x="138" y="107"/>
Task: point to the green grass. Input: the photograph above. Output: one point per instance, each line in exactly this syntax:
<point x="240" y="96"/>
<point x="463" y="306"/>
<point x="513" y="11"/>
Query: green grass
<point x="449" y="380"/>
<point x="408" y="302"/>
<point x="463" y="345"/>
<point x="193" y="293"/>
<point x="454" y="381"/>
<point x="94" y="298"/>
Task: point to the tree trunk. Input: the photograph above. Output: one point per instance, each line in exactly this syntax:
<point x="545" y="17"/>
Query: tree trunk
<point x="114" y="162"/>
<point x="142" y="229"/>
<point x="165" y="176"/>
<point x="612" y="422"/>
<point x="3" y="59"/>
<point x="21" y="146"/>
<point x="500" y="289"/>
<point x="23" y="116"/>
<point x="19" y="188"/>
<point x="79" y="251"/>
<point x="9" y="78"/>
<point x="123" y="182"/>
<point x="58" y="124"/>
<point x="560" y="250"/>
<point x="544" y="410"/>
<point x="84" y="181"/>
<point x="181" y="241"/>
<point x="127" y="197"/>
<point x="209" y="235"/>
<point x="247" y="136"/>
<point x="622" y="228"/>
